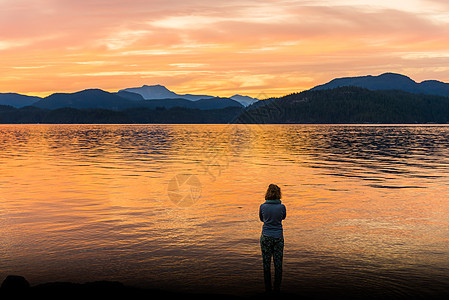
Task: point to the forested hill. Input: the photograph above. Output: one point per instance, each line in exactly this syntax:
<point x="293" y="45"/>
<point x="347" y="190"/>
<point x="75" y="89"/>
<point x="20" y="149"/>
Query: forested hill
<point x="351" y="105"/>
<point x="389" y="81"/>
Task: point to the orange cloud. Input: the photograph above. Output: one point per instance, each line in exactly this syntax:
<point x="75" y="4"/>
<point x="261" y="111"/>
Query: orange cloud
<point x="214" y="47"/>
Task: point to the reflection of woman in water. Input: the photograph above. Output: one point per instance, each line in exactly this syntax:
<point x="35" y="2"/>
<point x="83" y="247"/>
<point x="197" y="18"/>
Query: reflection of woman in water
<point x="271" y="213"/>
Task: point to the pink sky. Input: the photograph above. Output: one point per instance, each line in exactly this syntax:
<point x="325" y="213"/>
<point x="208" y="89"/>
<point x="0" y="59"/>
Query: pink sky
<point x="216" y="47"/>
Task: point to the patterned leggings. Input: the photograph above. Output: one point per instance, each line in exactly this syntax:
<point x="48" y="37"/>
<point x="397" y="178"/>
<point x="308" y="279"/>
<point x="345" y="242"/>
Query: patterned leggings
<point x="272" y="247"/>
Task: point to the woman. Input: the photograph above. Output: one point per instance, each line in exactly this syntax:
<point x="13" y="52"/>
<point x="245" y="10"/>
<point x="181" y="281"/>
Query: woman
<point x="271" y="213"/>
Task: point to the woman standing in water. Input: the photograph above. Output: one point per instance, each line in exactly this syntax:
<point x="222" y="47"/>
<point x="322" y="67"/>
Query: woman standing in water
<point x="271" y="213"/>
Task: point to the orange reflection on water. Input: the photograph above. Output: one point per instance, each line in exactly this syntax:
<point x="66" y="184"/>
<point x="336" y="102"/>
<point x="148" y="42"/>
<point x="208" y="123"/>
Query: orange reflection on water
<point x="87" y="202"/>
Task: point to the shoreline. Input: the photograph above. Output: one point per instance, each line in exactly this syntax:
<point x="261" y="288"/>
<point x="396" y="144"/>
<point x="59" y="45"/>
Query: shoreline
<point x="15" y="285"/>
<point x="18" y="286"/>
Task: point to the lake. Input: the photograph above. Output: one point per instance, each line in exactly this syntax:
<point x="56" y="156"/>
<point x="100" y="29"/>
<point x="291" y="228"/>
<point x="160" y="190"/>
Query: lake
<point x="176" y="206"/>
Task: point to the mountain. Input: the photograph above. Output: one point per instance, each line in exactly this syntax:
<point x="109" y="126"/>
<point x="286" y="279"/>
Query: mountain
<point x="161" y="92"/>
<point x="390" y="81"/>
<point x="130" y="96"/>
<point x="342" y="105"/>
<point x="96" y="98"/>
<point x="350" y="105"/>
<point x="244" y="100"/>
<point x="17" y="100"/>
<point x="91" y="98"/>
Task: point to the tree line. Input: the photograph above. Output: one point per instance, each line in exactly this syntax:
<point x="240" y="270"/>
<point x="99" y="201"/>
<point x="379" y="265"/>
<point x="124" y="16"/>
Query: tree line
<point x="351" y="105"/>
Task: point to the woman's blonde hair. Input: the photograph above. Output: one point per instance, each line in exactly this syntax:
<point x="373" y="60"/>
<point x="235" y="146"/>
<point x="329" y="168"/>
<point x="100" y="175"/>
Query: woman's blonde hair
<point x="273" y="192"/>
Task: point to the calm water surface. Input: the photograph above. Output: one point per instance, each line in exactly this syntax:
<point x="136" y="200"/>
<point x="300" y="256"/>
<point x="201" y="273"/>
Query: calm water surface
<point x="176" y="206"/>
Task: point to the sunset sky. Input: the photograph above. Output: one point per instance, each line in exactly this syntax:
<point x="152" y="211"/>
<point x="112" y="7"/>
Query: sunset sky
<point x="217" y="47"/>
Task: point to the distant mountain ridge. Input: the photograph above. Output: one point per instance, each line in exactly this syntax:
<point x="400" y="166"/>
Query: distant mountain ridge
<point x="389" y="81"/>
<point x="158" y="96"/>
<point x="90" y="98"/>
<point x="17" y="100"/>
<point x="159" y="92"/>
<point x="342" y="105"/>
<point x="126" y="98"/>
<point x="244" y="100"/>
<point x="99" y="99"/>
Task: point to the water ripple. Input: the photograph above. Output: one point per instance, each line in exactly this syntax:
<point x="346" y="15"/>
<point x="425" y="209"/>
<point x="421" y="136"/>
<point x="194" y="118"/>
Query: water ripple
<point x="366" y="205"/>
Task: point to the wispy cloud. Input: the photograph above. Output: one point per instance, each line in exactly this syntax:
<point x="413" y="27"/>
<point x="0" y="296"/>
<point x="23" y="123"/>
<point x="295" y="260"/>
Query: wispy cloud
<point x="225" y="46"/>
